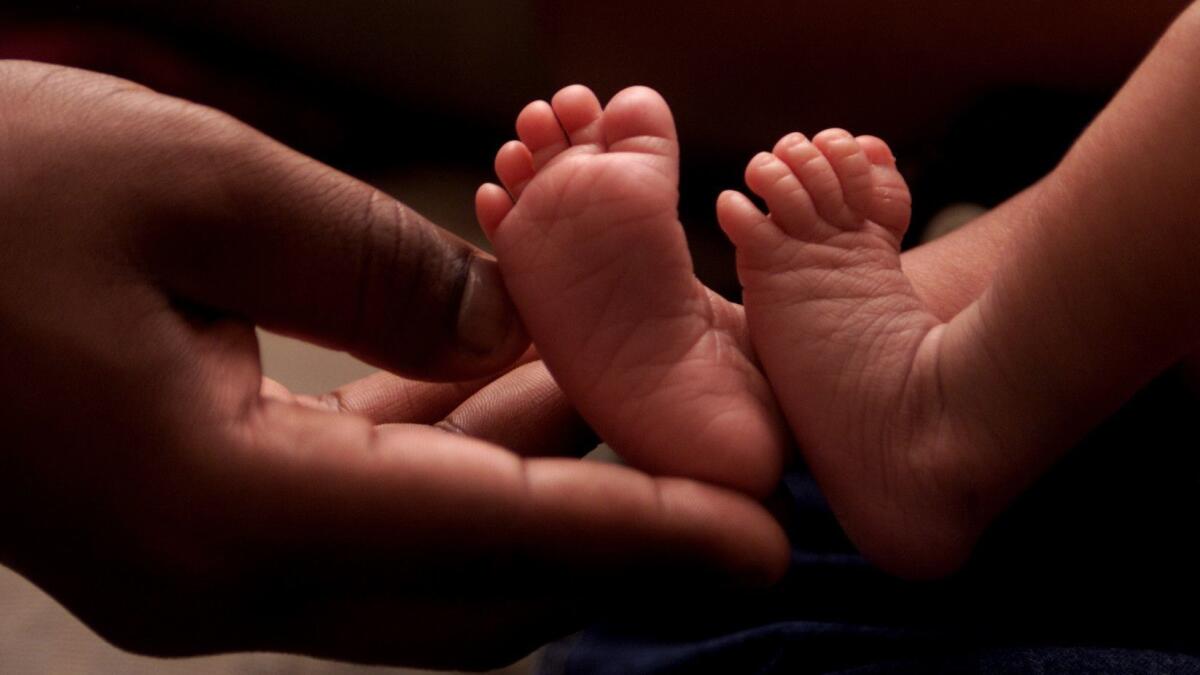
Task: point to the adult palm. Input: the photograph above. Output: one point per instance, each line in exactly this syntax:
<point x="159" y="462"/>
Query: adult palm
<point x="158" y="486"/>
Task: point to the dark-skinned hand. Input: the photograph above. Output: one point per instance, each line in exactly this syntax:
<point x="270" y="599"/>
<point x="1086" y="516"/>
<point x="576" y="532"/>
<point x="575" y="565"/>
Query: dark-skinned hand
<point x="153" y="482"/>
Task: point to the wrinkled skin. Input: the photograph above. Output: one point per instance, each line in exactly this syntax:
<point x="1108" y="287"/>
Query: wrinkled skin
<point x="154" y="483"/>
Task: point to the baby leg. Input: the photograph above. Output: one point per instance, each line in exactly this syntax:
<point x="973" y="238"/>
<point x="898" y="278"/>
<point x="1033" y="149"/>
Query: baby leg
<point x="921" y="431"/>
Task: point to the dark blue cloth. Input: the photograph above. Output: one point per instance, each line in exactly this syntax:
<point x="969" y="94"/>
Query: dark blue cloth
<point x="1095" y="569"/>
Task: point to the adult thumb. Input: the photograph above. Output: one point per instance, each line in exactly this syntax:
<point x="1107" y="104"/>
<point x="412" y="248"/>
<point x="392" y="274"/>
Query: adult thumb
<point x="240" y="224"/>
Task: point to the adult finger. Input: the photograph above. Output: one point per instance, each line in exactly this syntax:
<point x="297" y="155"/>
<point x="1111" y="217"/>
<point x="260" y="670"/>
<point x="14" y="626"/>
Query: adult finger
<point x="229" y="221"/>
<point x="317" y="484"/>
<point x="526" y="412"/>
<point x="522" y="410"/>
<point x="318" y="477"/>
<point x="305" y="530"/>
<point x="301" y="248"/>
<point x="385" y="398"/>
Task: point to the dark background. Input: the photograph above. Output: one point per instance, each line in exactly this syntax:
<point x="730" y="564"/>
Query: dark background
<point x="977" y="99"/>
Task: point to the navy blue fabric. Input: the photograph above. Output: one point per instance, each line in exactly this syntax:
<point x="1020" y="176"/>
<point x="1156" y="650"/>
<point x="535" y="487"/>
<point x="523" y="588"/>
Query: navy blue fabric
<point x="1096" y="569"/>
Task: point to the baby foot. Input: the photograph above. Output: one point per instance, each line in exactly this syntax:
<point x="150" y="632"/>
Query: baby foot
<point x="850" y="350"/>
<point x="595" y="259"/>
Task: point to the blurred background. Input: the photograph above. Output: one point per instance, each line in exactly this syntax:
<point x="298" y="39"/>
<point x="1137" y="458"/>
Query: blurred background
<point x="977" y="100"/>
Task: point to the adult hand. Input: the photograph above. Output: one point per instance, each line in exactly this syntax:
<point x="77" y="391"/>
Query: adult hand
<point x="153" y="482"/>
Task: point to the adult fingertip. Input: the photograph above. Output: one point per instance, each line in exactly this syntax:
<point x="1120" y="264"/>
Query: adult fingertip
<point x="487" y="327"/>
<point x="746" y="545"/>
<point x="771" y="567"/>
